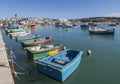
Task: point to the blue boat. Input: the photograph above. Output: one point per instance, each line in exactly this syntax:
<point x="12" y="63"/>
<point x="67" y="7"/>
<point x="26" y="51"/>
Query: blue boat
<point x="61" y="65"/>
<point x="84" y="26"/>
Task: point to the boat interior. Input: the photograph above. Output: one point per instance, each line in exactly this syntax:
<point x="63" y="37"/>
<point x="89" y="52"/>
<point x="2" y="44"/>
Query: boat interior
<point x="59" y="60"/>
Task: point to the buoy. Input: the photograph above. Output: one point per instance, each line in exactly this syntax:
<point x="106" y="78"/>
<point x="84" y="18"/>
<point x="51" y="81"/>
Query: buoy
<point x="88" y="52"/>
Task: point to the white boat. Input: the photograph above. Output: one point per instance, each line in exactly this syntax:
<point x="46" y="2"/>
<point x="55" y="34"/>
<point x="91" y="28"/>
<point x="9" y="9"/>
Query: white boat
<point x="95" y="30"/>
<point x="13" y="35"/>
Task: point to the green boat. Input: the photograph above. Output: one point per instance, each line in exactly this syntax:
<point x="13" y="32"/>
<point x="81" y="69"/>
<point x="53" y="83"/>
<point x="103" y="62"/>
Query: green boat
<point x="14" y="29"/>
<point x="39" y="51"/>
<point x="20" y="38"/>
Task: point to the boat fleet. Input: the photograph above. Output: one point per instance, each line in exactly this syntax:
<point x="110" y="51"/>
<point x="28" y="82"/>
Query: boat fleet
<point x="54" y="60"/>
<point x="51" y="59"/>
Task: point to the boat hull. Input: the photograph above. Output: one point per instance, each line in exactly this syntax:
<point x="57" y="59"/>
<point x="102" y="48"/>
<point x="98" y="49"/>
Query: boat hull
<point x="38" y="55"/>
<point x="59" y="74"/>
<point x="32" y="26"/>
<point x="94" y="30"/>
<point x="26" y="37"/>
<point x="33" y="42"/>
<point x="84" y="27"/>
<point x="101" y="32"/>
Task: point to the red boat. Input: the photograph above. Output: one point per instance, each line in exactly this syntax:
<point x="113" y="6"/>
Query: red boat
<point x="33" y="26"/>
<point x="36" y="41"/>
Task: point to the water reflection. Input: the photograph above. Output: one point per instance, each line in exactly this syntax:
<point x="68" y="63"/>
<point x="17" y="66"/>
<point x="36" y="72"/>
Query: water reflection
<point x="64" y="29"/>
<point x="98" y="37"/>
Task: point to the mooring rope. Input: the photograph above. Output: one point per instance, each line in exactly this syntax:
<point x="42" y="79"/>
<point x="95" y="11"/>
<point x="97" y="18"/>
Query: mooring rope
<point x="19" y="66"/>
<point x="11" y="58"/>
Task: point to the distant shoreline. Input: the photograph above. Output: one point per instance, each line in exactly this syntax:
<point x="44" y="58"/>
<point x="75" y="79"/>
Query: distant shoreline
<point x="79" y="20"/>
<point x="97" y="19"/>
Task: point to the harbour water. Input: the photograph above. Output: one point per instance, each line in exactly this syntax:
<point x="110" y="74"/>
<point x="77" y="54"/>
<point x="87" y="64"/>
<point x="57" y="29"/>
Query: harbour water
<point x="102" y="67"/>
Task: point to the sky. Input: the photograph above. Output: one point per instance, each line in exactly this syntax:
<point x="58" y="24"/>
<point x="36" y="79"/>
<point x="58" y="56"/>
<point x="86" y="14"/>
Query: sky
<point x="72" y="9"/>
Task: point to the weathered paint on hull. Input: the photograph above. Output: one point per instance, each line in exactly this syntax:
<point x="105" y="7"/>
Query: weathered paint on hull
<point x="59" y="75"/>
<point x="35" y="56"/>
<point x="58" y="71"/>
<point x="32" y="43"/>
<point x="52" y="51"/>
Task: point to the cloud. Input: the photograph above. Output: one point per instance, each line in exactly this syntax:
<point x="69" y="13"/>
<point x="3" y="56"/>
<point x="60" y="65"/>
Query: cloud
<point x="113" y="15"/>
